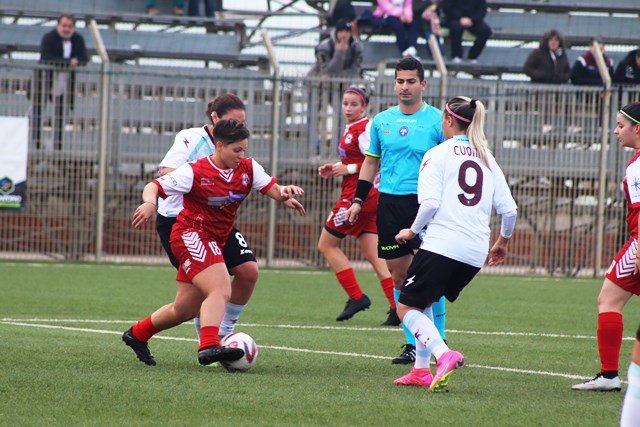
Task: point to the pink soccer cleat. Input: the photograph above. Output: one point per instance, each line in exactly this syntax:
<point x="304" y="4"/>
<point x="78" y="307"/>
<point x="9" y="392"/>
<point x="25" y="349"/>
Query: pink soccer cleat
<point x="447" y="363"/>
<point x="420" y="377"/>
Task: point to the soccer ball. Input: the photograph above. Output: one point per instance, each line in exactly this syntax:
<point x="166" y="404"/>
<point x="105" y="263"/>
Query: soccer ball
<point x="246" y="343"/>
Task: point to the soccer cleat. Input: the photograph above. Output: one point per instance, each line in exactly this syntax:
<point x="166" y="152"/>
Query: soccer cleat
<point x="599" y="383"/>
<point x="392" y="318"/>
<point x="408" y="355"/>
<point x="447" y="363"/>
<point x="217" y="353"/>
<point x="140" y="348"/>
<point x="354" y="306"/>
<point x="420" y="377"/>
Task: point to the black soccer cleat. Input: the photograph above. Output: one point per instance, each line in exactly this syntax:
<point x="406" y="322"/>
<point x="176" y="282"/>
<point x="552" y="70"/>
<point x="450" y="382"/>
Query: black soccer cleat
<point x="407" y="357"/>
<point x="140" y="348"/>
<point x="392" y="318"/>
<point x="217" y="353"/>
<point x="354" y="306"/>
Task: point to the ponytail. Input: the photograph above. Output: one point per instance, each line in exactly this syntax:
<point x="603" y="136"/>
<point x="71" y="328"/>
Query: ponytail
<point x="469" y="115"/>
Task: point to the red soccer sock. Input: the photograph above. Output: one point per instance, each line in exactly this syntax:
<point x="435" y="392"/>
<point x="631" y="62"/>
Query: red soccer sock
<point x="610" y="328"/>
<point x="349" y="283"/>
<point x="209" y="337"/>
<point x="144" y="330"/>
<point x="387" y="288"/>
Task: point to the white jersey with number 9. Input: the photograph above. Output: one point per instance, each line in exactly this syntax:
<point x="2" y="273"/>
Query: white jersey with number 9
<point x="466" y="190"/>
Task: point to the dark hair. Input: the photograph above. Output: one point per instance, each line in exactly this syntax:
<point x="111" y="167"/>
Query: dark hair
<point x="359" y="91"/>
<point x="410" y="63"/>
<point x="230" y="131"/>
<point x="223" y="104"/>
<point x="67" y="16"/>
<point x="632" y="110"/>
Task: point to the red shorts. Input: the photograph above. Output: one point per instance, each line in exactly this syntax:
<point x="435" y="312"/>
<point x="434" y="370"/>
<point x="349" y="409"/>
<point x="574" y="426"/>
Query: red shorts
<point x="621" y="270"/>
<point x="194" y="254"/>
<point x="366" y="222"/>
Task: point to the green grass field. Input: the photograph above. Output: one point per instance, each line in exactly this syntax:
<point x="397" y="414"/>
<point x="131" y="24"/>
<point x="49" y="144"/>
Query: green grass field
<point x="525" y="340"/>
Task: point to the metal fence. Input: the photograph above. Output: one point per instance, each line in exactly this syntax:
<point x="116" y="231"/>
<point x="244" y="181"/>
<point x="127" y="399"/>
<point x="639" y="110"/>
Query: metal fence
<point x="548" y="140"/>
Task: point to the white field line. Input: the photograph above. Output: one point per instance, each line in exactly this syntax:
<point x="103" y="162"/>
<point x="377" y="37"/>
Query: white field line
<point x="27" y="323"/>
<point x="322" y="327"/>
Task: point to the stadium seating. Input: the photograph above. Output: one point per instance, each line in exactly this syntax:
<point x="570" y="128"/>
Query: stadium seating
<point x="127" y="45"/>
<point x="620" y="6"/>
<point x="111" y="12"/>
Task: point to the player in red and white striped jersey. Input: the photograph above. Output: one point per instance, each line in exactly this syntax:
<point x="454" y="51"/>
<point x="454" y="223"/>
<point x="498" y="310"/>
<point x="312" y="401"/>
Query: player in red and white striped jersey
<point x="213" y="189"/>
<point x="623" y="277"/>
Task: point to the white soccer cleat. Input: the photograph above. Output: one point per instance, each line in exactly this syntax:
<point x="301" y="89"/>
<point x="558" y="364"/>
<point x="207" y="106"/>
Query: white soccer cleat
<point x="599" y="383"/>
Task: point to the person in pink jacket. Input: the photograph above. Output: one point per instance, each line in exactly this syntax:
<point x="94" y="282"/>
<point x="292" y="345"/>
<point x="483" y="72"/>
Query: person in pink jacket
<point x="397" y="15"/>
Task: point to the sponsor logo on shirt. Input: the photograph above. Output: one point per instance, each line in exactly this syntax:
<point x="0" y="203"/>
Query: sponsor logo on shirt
<point x="403" y="131"/>
<point x="226" y="200"/>
<point x="406" y="121"/>
<point x="207" y="182"/>
<point x="348" y="138"/>
<point x="245" y="179"/>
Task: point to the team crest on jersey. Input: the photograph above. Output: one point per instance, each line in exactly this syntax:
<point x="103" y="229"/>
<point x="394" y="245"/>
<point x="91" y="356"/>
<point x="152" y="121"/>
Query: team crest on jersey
<point x="403" y="131"/>
<point x="348" y="139"/>
<point x="245" y="179"/>
<point x="207" y="182"/>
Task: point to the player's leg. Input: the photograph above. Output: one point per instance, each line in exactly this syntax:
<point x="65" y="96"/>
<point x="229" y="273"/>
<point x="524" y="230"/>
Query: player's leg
<point x="183" y="308"/>
<point x="329" y="246"/>
<point x="215" y="285"/>
<point x="630" y="415"/>
<point x="611" y="301"/>
<point x="420" y="374"/>
<point x="242" y="264"/>
<point x="440" y="316"/>
<point x="369" y="247"/>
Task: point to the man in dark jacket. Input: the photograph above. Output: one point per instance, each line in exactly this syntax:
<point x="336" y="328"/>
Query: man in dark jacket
<point x="340" y="54"/>
<point x="628" y="70"/>
<point x="585" y="71"/>
<point x="62" y="50"/>
<point x="466" y="15"/>
<point x="548" y="63"/>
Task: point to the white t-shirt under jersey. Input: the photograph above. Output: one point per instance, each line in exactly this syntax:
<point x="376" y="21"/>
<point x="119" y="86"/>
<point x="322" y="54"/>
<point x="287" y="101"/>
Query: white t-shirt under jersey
<point x="466" y="190"/>
<point x="189" y="144"/>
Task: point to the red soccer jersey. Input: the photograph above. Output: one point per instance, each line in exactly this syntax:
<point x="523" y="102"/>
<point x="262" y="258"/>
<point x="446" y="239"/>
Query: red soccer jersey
<point x="212" y="195"/>
<point x="353" y="144"/>
<point x="632" y="192"/>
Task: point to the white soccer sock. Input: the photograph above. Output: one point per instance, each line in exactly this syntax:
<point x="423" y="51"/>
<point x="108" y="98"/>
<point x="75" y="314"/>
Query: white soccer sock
<point x="630" y="416"/>
<point x="231" y="315"/>
<point x="426" y="332"/>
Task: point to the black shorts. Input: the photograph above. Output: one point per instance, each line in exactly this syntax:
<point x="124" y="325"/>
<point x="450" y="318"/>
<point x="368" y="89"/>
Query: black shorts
<point x="236" y="251"/>
<point x="394" y="214"/>
<point x="430" y="276"/>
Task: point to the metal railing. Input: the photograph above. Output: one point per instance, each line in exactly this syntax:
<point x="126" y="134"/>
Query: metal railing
<point x="548" y="140"/>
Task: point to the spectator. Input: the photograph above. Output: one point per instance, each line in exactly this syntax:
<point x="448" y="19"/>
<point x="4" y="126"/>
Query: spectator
<point x="585" y="71"/>
<point x="397" y="15"/>
<point x="340" y="54"/>
<point x="549" y="63"/>
<point x="628" y="70"/>
<point x="210" y="8"/>
<point x="429" y="22"/>
<point x="466" y="15"/>
<point x="178" y="7"/>
<point x="63" y="50"/>
<point x="341" y="10"/>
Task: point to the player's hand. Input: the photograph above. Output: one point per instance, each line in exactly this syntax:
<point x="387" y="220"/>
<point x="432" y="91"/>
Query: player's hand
<point x="351" y="216"/>
<point x="142" y="214"/>
<point x="404" y="236"/>
<point x="466" y="22"/>
<point x="498" y="252"/>
<point x="294" y="204"/>
<point x="289" y="191"/>
<point x="326" y="170"/>
<point x="342" y="44"/>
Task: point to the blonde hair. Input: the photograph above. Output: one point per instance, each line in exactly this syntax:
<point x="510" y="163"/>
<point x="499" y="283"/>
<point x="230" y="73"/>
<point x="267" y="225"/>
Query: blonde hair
<point x="469" y="116"/>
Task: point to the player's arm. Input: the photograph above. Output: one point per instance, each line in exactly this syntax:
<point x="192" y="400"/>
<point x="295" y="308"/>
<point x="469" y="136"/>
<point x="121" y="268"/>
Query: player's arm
<point x="426" y="212"/>
<point x="365" y="182"/>
<point x="148" y="206"/>
<point x="165" y="170"/>
<point x="498" y="252"/>
<point x="285" y="194"/>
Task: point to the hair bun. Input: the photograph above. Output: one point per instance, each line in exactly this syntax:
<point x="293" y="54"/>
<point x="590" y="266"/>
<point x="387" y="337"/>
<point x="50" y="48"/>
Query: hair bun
<point x="473" y="103"/>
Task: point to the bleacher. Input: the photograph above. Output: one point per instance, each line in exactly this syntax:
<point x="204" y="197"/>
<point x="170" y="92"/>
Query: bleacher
<point x="521" y="23"/>
<point x="222" y="41"/>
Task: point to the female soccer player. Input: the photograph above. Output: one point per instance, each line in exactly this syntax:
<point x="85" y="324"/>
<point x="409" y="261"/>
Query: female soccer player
<point x="631" y="405"/>
<point x="623" y="277"/>
<point x="458" y="185"/>
<point x="353" y="144"/>
<point x="213" y="189"/>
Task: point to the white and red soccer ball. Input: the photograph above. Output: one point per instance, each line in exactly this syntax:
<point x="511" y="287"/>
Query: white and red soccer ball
<point x="246" y="343"/>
